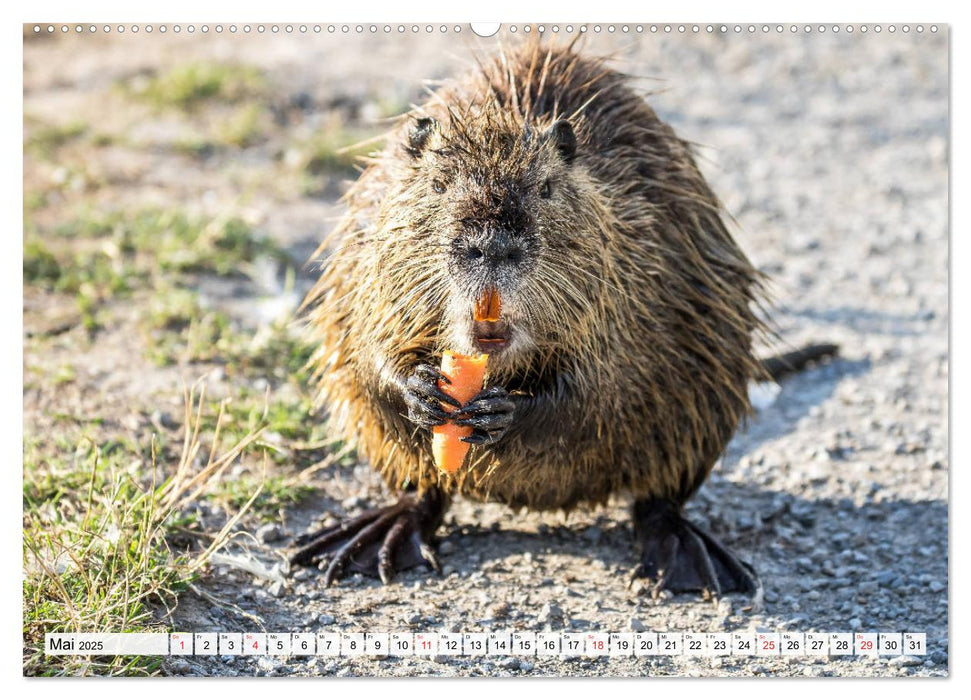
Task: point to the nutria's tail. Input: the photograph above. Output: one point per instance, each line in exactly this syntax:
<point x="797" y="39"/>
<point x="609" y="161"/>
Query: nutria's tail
<point x="791" y="362"/>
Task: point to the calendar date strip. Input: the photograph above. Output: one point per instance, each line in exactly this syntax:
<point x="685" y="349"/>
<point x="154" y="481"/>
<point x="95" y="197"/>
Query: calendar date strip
<point x="523" y="644"/>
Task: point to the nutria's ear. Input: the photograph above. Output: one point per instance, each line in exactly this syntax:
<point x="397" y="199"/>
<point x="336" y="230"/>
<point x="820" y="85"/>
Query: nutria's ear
<point x="419" y="134"/>
<point x="561" y="133"/>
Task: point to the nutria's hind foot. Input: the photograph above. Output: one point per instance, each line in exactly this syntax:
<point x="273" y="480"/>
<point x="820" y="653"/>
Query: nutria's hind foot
<point x="380" y="541"/>
<point x="679" y="556"/>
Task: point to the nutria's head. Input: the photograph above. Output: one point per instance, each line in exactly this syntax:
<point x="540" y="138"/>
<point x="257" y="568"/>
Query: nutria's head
<point x="490" y="208"/>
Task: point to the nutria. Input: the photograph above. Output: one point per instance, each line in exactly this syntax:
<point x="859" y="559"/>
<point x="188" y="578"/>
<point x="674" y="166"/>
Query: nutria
<point x="621" y="361"/>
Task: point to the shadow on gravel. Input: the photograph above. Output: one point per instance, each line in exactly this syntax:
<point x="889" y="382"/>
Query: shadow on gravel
<point x="609" y="542"/>
<point x="821" y="561"/>
<point x="799" y="394"/>
<point x="749" y="519"/>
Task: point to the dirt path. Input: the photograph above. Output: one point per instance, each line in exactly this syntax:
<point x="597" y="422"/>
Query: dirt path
<point x="831" y="153"/>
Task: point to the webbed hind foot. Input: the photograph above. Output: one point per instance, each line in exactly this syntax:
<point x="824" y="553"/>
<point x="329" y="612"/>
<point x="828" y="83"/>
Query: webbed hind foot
<point x="679" y="556"/>
<point x="380" y="541"/>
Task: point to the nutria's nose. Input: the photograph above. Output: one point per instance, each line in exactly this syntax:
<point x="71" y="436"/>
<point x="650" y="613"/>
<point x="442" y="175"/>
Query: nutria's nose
<point x="494" y="249"/>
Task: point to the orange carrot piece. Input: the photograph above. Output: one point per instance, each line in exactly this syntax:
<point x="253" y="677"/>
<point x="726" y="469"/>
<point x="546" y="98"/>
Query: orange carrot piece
<point x="467" y="373"/>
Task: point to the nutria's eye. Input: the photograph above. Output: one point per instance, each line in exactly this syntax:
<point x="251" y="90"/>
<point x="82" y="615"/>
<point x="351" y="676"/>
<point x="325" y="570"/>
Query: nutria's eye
<point x="438" y="186"/>
<point x="546" y="191"/>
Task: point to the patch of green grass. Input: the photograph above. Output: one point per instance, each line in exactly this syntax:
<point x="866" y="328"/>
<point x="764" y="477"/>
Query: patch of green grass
<point x="277" y="350"/>
<point x="33" y="201"/>
<point x="194" y="147"/>
<point x="188" y="86"/>
<point x="277" y="493"/>
<point x="65" y="374"/>
<point x="181" y="243"/>
<point x="293" y="436"/>
<point x="97" y="523"/>
<point x="40" y="265"/>
<point x="244" y="127"/>
<point x="288" y="417"/>
<point x="170" y="310"/>
<point x="104" y="256"/>
<point x="176" y="329"/>
<point x="336" y="149"/>
<point x="103" y="139"/>
<point x="78" y="418"/>
<point x="45" y="139"/>
<point x="87" y="225"/>
<point x="159" y="241"/>
<point x="91" y="275"/>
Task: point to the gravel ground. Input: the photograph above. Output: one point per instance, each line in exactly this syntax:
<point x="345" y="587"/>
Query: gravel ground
<point x="832" y="154"/>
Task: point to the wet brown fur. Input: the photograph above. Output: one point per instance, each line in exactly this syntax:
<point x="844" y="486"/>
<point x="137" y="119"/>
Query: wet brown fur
<point x="642" y="307"/>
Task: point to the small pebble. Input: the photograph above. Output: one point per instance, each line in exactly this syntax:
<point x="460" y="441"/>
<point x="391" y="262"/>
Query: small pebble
<point x="905" y="661"/>
<point x="270" y="532"/>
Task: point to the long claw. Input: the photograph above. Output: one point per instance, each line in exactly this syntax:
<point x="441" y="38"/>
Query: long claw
<point x="479" y="437"/>
<point x="427" y="553"/>
<point x="386" y="553"/>
<point x="434" y="410"/>
<point x="488" y="406"/>
<point x="485" y="421"/>
<point x="437" y="393"/>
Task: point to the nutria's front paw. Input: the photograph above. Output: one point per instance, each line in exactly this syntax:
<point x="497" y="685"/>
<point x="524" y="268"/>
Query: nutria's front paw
<point x="489" y="414"/>
<point x="424" y="399"/>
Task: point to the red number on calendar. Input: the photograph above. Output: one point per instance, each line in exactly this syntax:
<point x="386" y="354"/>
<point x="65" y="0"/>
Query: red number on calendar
<point x="866" y="645"/>
<point x="768" y="645"/>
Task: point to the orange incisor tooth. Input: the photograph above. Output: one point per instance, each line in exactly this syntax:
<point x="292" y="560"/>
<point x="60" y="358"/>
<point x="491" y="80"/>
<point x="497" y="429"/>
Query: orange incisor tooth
<point x="488" y="307"/>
